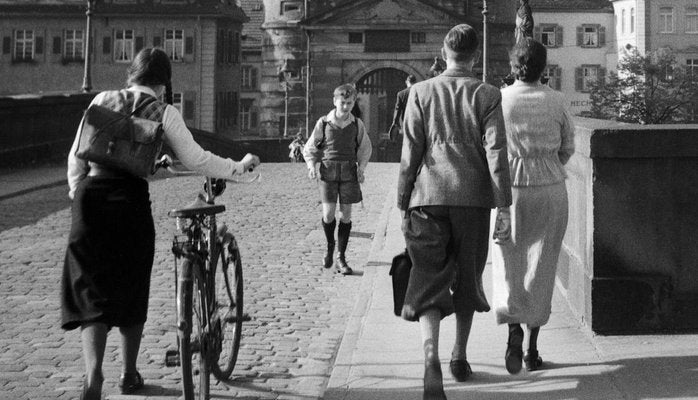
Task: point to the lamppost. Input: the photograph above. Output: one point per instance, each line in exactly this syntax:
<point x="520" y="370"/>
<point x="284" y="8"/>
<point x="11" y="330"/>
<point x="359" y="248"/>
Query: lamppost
<point x="436" y="69"/>
<point x="484" y="40"/>
<point x="87" y="78"/>
<point x="285" y="78"/>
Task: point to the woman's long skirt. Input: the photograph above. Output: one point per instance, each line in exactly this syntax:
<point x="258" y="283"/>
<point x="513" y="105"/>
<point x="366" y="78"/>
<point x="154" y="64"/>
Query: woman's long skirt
<point x="106" y="273"/>
<point x="524" y="269"/>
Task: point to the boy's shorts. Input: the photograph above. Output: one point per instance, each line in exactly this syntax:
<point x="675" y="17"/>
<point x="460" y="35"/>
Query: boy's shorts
<point x="349" y="192"/>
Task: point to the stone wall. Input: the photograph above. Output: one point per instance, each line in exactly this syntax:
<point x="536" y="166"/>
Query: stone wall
<point x="630" y="256"/>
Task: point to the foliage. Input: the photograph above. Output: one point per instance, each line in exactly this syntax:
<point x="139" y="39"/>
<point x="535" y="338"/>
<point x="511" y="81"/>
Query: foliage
<point x="650" y="89"/>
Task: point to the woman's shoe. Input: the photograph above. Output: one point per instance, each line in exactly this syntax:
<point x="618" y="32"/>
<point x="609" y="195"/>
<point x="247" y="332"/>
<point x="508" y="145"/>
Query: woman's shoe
<point x="90" y="394"/>
<point x="514" y="353"/>
<point x="433" y="382"/>
<point x="460" y="369"/>
<point x="130" y="383"/>
<point x="532" y="360"/>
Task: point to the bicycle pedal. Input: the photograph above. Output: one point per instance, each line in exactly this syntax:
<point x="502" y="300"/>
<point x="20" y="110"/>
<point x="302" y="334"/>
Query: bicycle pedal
<point x="172" y="358"/>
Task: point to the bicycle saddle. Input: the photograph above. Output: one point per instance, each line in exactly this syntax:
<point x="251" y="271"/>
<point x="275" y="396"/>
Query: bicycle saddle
<point x="197" y="207"/>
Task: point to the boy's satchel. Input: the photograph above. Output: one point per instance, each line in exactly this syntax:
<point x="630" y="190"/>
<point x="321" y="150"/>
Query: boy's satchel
<point x="120" y="141"/>
<point x="400" y="271"/>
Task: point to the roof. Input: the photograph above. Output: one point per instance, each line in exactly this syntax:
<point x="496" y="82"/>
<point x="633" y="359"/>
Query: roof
<point x="252" y="29"/>
<point x="193" y="8"/>
<point x="571" y="5"/>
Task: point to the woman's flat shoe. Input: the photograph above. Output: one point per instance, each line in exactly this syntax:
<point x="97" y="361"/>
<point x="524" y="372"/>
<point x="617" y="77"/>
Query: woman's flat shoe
<point x="89" y="395"/>
<point x="130" y="383"/>
<point x="532" y="360"/>
<point x="433" y="382"/>
<point x="460" y="369"/>
<point x="514" y="354"/>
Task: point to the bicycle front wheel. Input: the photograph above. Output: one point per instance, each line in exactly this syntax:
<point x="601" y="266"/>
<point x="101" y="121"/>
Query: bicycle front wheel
<point x="192" y="342"/>
<point x="229" y="306"/>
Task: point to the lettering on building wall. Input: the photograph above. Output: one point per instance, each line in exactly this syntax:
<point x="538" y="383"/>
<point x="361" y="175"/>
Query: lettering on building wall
<point x="580" y="103"/>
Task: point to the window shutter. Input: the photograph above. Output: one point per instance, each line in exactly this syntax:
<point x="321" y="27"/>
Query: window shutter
<point x="253" y="82"/>
<point x="39" y="45"/>
<point x="6" y="45"/>
<point x="189" y="45"/>
<point x="537" y="34"/>
<point x="558" y="78"/>
<point x="139" y="43"/>
<point x="602" y="75"/>
<point x="234" y="106"/>
<point x="106" y="45"/>
<point x="57" y="45"/>
<point x="157" y="41"/>
<point x="578" y="79"/>
<point x="219" y="46"/>
<point x="580" y="35"/>
<point x="558" y="36"/>
<point x="602" y="36"/>
<point x="189" y="104"/>
<point x="253" y="119"/>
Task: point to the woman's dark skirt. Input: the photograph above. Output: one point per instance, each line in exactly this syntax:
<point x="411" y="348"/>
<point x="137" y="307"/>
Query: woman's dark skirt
<point x="106" y="273"/>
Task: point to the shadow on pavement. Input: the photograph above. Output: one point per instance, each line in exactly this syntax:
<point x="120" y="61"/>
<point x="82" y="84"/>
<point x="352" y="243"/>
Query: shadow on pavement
<point x="627" y="379"/>
<point x="32" y="207"/>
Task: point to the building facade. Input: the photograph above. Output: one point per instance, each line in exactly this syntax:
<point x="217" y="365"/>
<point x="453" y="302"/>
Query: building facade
<point x="44" y="48"/>
<point x="580" y="38"/>
<point x="310" y="47"/>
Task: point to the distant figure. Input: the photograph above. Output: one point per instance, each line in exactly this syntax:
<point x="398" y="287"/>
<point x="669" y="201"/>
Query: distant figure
<point x="356" y="110"/>
<point x="400" y="104"/>
<point x="296" y="147"/>
<point x="524" y="21"/>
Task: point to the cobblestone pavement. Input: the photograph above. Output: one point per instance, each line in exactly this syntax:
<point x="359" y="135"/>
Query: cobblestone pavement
<point x="299" y="311"/>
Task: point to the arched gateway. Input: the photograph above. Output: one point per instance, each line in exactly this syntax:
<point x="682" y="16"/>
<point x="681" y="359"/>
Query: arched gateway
<point x="377" y="94"/>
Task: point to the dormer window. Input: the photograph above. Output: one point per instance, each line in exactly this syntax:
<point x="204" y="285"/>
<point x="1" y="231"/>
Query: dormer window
<point x="290" y="8"/>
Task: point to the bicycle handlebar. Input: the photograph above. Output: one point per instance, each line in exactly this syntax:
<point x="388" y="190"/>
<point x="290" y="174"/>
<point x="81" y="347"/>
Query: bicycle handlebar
<point x="166" y="162"/>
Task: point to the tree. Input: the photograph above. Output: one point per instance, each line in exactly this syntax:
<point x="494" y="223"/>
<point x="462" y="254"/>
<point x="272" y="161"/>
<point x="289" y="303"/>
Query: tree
<point x="651" y="89"/>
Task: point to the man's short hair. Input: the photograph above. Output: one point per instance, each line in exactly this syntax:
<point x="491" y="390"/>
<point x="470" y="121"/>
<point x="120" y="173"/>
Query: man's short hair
<point x="345" y="91"/>
<point x="461" y="42"/>
<point x="411" y="79"/>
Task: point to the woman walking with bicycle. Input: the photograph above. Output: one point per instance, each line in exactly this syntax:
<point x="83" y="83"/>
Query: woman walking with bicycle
<point x="109" y="257"/>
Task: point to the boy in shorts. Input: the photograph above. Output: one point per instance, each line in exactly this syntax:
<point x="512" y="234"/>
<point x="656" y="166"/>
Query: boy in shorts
<point x="341" y="148"/>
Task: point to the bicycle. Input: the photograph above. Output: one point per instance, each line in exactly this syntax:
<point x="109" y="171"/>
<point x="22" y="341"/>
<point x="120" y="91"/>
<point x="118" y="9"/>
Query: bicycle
<point x="209" y="291"/>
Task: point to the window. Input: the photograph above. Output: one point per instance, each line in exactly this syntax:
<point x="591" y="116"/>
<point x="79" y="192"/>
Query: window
<point x="174" y="44"/>
<point x="123" y="45"/>
<point x="692" y="20"/>
<point x="248" y="115"/>
<point x="387" y="41"/>
<point x="24" y="45"/>
<point x="586" y="75"/>
<point x="249" y="77"/>
<point x="622" y="21"/>
<point x="632" y="20"/>
<point x="290" y="7"/>
<point x="419" y="37"/>
<point x="178" y="102"/>
<point x="591" y="36"/>
<point x="74" y="44"/>
<point x="356" y="37"/>
<point x="547" y="36"/>
<point x="666" y="20"/>
<point x="692" y="69"/>
<point x="552" y="74"/>
<point x="226" y="109"/>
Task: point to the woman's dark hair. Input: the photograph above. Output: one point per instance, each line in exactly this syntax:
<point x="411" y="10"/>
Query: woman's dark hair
<point x="528" y="59"/>
<point x="152" y="67"/>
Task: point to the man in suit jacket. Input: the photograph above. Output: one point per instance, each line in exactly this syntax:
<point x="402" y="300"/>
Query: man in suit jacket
<point x="453" y="170"/>
<point x="400" y="104"/>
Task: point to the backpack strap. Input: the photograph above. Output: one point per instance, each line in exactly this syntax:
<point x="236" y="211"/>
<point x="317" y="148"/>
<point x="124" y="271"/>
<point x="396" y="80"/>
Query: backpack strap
<point x="320" y="143"/>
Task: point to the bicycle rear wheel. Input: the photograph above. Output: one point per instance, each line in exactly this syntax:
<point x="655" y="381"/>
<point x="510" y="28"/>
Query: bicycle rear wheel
<point x="192" y="343"/>
<point x="229" y="306"/>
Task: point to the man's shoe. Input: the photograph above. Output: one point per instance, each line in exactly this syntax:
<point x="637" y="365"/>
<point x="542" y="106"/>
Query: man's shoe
<point x="130" y="383"/>
<point x="460" y="369"/>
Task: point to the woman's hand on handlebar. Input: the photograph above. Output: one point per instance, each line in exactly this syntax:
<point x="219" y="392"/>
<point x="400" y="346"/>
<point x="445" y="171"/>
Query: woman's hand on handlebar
<point x="250" y="162"/>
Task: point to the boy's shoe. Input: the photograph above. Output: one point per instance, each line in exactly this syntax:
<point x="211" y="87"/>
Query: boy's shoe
<point x="130" y="383"/>
<point x="342" y="266"/>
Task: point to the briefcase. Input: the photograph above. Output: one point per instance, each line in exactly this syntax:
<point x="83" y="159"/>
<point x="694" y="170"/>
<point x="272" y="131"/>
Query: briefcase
<point x="400" y="273"/>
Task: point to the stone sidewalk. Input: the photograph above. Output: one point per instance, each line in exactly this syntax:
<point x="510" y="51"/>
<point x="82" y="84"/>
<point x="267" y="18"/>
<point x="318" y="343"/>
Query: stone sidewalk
<point x="314" y="334"/>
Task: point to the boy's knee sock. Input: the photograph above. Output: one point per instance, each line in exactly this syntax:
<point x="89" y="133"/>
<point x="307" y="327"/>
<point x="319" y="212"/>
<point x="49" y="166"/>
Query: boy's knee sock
<point x="329" y="230"/>
<point x="343" y="237"/>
